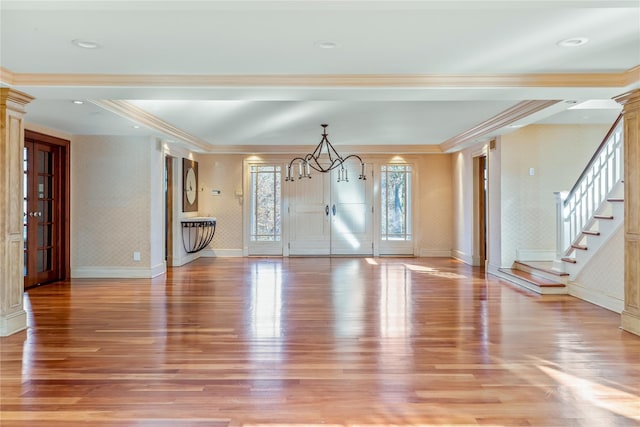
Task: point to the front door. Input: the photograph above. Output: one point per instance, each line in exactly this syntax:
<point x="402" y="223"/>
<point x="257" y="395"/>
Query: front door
<point x="328" y="217"/>
<point x="45" y="209"/>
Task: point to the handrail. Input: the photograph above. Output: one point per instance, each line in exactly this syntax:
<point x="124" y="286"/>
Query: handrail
<point x="595" y="155"/>
<point x="586" y="198"/>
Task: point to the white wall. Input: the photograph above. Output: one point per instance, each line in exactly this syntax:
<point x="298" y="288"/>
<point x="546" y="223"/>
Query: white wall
<point x="557" y="154"/>
<point x="116" y="207"/>
<point x="601" y="281"/>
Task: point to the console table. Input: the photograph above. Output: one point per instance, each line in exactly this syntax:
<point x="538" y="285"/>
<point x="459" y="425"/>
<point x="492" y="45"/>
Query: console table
<point x="197" y="233"/>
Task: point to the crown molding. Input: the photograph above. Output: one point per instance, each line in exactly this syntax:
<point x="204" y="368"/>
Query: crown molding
<point x="6" y="77"/>
<point x="633" y="75"/>
<point x="130" y="111"/>
<point x="513" y="114"/>
<point x="620" y="79"/>
<point x="344" y="149"/>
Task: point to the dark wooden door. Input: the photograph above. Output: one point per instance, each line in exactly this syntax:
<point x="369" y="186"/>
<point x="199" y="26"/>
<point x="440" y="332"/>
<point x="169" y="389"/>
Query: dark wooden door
<point x="45" y="211"/>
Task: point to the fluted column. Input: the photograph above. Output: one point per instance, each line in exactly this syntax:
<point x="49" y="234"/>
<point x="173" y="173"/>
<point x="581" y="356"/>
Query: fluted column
<point x="13" y="318"/>
<point x="631" y="113"/>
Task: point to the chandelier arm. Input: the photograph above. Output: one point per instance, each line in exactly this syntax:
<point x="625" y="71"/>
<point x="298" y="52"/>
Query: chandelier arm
<point x="312" y="160"/>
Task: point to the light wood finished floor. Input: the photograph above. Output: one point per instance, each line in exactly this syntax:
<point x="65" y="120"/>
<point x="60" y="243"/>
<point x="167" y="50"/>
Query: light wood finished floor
<point x="307" y="341"/>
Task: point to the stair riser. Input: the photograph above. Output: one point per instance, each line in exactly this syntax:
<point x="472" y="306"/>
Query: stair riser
<point x="542" y="274"/>
<point x="532" y="286"/>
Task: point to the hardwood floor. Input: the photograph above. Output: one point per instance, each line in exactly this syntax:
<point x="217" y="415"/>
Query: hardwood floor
<point x="316" y="341"/>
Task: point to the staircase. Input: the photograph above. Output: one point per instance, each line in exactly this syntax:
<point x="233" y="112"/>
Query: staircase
<point x="608" y="219"/>
<point x="587" y="217"/>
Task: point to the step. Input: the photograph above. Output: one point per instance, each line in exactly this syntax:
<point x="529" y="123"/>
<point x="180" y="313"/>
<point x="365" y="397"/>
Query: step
<point x="580" y="247"/>
<point x="603" y="216"/>
<point x="615" y="199"/>
<point x="531" y="282"/>
<point x="591" y="232"/>
<point x="542" y="269"/>
<point x="569" y="260"/>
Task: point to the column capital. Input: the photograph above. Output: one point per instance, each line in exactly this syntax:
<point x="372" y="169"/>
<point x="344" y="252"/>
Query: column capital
<point x="14" y="99"/>
<point x="629" y="100"/>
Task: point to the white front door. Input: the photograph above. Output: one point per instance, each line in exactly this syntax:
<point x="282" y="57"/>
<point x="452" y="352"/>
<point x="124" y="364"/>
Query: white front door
<point x="351" y="212"/>
<point x="328" y="217"/>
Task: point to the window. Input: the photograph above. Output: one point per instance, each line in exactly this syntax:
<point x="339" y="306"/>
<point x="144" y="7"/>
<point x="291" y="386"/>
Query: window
<point x="395" y="192"/>
<point x="265" y="203"/>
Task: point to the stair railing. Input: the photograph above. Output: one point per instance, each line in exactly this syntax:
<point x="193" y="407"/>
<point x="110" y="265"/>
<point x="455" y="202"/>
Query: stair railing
<point x="577" y="208"/>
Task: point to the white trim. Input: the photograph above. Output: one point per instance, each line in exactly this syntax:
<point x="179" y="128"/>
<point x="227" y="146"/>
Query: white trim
<point x="523" y="254"/>
<point x="222" y="253"/>
<point x="115" y="272"/>
<point x="606" y="301"/>
<point x="459" y="255"/>
<point x="433" y="253"/>
<point x="159" y="269"/>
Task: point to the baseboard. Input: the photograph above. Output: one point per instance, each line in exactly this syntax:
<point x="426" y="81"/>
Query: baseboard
<point x="535" y="254"/>
<point x="461" y="256"/>
<point x="494" y="270"/>
<point x="434" y="253"/>
<point x="12" y="323"/>
<point x="606" y="301"/>
<point x="159" y="269"/>
<point x="221" y="253"/>
<point x="630" y="322"/>
<point x="117" y="272"/>
<point x="186" y="259"/>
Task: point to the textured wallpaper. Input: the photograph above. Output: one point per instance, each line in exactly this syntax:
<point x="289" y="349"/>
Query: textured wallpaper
<point x="110" y="201"/>
<point x="224" y="173"/>
<point x="557" y="154"/>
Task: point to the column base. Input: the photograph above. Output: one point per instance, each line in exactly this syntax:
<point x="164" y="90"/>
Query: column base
<point x="12" y="323"/>
<point x="630" y="322"/>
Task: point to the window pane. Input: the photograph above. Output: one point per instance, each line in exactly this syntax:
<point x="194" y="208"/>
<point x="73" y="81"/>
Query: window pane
<point x="265" y="203"/>
<point x="395" y="191"/>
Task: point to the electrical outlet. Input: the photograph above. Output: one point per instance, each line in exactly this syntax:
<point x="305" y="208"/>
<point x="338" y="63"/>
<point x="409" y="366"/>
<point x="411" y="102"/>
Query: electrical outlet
<point x="136" y="256"/>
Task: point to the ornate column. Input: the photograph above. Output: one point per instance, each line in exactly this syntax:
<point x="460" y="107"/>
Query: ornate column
<point x="13" y="318"/>
<point x="631" y="114"/>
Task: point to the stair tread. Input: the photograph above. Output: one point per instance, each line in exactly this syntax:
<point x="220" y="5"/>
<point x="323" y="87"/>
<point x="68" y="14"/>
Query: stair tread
<point x="539" y="281"/>
<point x="615" y="199"/>
<point x="546" y="266"/>
<point x="570" y="260"/>
<point x="591" y="232"/>
<point x="581" y="247"/>
<point x="603" y="216"/>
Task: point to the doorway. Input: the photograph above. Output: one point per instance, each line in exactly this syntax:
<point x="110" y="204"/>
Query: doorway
<point x="480" y="211"/>
<point x="331" y="217"/>
<point x="46" y="209"/>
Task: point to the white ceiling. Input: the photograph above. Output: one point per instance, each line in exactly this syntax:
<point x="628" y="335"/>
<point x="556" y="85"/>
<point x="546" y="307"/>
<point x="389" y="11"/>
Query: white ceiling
<point x="174" y="53"/>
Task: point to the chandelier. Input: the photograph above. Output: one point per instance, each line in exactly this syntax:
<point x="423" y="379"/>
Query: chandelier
<point x="324" y="158"/>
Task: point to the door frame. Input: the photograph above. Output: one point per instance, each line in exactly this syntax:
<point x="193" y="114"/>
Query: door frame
<point x="245" y="199"/>
<point x="480" y="217"/>
<point x="64" y="187"/>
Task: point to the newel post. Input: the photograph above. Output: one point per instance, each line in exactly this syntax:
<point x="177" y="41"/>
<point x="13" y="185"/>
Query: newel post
<point x="561" y="231"/>
<point x="630" y="320"/>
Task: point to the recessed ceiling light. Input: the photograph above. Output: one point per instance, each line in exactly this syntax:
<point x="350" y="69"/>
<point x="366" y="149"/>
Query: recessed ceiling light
<point x="78" y="102"/>
<point x="85" y="44"/>
<point x="573" y="42"/>
<point x="327" y="44"/>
